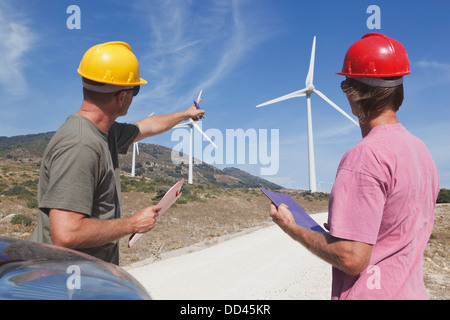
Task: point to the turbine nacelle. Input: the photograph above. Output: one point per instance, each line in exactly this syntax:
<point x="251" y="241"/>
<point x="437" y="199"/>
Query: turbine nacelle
<point x="309" y="89"/>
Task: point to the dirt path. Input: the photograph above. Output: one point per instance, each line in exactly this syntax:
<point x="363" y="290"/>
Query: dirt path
<point x="264" y="264"/>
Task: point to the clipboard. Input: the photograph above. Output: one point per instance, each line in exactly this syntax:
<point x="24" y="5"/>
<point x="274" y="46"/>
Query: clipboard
<point x="300" y="216"/>
<point x="169" y="198"/>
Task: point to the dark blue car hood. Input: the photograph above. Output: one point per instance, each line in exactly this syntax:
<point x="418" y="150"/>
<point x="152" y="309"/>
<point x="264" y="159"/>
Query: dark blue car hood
<point x="30" y="270"/>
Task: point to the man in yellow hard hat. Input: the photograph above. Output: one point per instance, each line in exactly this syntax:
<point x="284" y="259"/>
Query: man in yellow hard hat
<point x="79" y="186"/>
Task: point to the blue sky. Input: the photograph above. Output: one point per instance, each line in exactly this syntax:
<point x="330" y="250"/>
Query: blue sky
<point x="241" y="53"/>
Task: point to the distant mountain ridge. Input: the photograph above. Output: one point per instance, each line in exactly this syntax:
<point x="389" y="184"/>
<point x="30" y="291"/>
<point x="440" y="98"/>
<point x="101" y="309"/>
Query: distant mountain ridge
<point x="31" y="145"/>
<point x="153" y="161"/>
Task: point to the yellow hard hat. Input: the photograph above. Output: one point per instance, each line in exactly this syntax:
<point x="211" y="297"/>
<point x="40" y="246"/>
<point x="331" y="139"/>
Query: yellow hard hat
<point x="112" y="63"/>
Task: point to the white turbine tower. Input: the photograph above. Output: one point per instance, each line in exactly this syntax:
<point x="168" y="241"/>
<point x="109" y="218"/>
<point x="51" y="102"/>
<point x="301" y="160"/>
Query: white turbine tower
<point x="191" y="124"/>
<point x="133" y="165"/>
<point x="135" y="152"/>
<point x="307" y="91"/>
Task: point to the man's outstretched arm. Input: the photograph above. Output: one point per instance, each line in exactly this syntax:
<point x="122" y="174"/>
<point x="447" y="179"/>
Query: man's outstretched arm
<point x="154" y="125"/>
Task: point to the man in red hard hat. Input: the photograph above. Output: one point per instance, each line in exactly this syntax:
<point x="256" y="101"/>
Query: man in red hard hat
<point x="382" y="203"/>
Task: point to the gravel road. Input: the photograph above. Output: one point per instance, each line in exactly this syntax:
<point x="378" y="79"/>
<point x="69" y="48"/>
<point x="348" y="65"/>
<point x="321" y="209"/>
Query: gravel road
<point x="263" y="264"/>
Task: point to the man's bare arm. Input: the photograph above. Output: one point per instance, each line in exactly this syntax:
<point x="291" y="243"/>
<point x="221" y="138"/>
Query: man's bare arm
<point x="79" y="231"/>
<point x="351" y="257"/>
<point x="154" y="125"/>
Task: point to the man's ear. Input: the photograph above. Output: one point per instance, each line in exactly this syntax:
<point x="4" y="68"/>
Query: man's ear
<point x="121" y="97"/>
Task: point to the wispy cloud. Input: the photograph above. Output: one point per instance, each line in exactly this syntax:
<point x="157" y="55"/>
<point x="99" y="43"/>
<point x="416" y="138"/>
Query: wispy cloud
<point x="335" y="133"/>
<point x="193" y="47"/>
<point x="16" y="39"/>
<point x="439" y="72"/>
<point x="444" y="67"/>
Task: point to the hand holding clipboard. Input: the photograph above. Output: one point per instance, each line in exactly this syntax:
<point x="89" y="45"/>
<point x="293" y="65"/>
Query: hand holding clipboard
<point x="169" y="198"/>
<point x="300" y="216"/>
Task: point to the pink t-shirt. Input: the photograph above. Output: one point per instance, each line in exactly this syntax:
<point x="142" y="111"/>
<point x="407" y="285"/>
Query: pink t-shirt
<point x="385" y="194"/>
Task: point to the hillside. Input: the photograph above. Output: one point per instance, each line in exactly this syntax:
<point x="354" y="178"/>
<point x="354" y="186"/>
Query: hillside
<point x="30" y="146"/>
<point x="153" y="162"/>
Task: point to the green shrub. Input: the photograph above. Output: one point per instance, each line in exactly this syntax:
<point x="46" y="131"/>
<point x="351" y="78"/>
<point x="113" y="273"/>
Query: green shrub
<point x="444" y="196"/>
<point x="3" y="186"/>
<point x="19" y="191"/>
<point x="31" y="184"/>
<point x="128" y="184"/>
<point x="21" y="219"/>
<point x="160" y="192"/>
<point x="33" y="203"/>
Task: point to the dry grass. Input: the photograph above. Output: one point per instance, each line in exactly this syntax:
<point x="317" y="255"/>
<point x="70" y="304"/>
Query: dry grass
<point x="437" y="256"/>
<point x="231" y="211"/>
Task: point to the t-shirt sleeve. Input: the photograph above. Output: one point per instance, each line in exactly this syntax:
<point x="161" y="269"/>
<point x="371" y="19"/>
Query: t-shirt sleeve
<point x="124" y="134"/>
<point x="73" y="174"/>
<point x="356" y="206"/>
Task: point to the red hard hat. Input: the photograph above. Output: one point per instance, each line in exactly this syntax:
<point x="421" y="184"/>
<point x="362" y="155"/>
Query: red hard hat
<point x="376" y="55"/>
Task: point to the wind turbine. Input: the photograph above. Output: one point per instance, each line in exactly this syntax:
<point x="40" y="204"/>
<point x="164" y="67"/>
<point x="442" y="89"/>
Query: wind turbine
<point x="191" y="124"/>
<point x="136" y="152"/>
<point x="307" y="91"/>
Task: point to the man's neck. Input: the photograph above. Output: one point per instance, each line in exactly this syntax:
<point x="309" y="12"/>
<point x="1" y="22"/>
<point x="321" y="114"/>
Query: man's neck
<point x="387" y="117"/>
<point x="102" y="119"/>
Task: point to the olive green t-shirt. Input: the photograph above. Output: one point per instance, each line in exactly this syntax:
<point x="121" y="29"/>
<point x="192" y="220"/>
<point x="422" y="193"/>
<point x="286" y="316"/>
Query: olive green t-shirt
<point x="80" y="173"/>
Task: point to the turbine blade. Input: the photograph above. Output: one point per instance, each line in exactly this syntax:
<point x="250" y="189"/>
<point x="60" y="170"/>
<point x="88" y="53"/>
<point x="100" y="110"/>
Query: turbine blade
<point x="182" y="125"/>
<point x="310" y="76"/>
<point x="137" y="148"/>
<point x="199" y="95"/>
<point x="299" y="93"/>
<point x="320" y="94"/>
<point x="204" y="134"/>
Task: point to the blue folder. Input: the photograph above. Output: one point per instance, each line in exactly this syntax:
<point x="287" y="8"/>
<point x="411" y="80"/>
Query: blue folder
<point x="300" y="216"/>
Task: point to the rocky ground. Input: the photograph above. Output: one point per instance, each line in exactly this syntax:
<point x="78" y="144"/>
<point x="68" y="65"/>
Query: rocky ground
<point x="436" y="266"/>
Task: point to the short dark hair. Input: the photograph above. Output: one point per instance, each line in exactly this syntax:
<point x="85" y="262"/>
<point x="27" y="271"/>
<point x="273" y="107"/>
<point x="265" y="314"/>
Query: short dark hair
<point x="373" y="100"/>
<point x="95" y="97"/>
